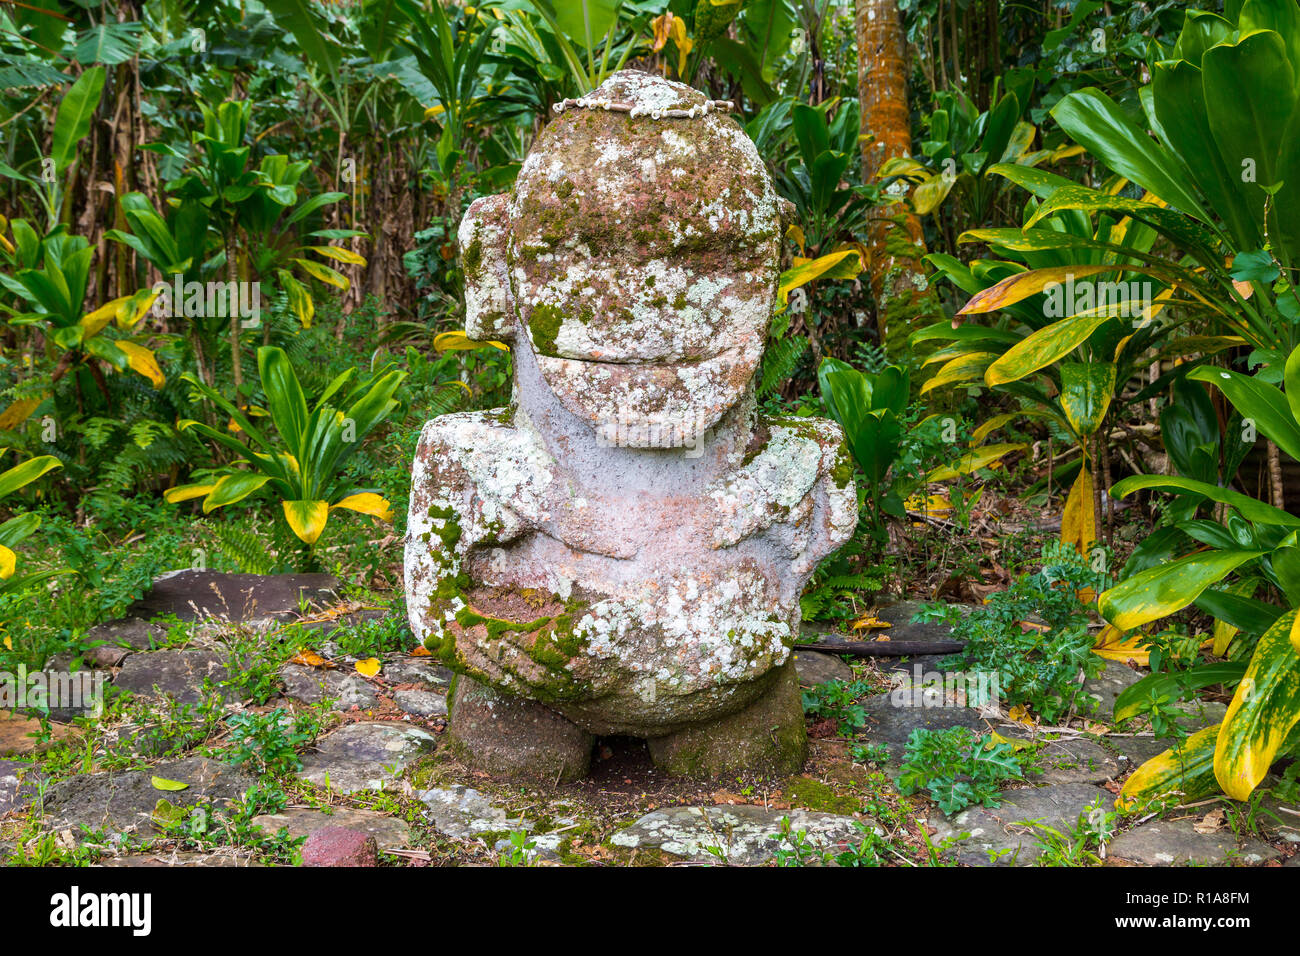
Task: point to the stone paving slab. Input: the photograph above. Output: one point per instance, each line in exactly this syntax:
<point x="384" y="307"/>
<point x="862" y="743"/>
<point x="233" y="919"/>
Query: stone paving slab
<point x="978" y="831"/>
<point x="421" y="703"/>
<point x="814" y="668"/>
<point x="202" y="595"/>
<point x="178" y="674"/>
<point x="745" y="835"/>
<point x="889" y="722"/>
<point x="1176" y="842"/>
<point x="344" y="686"/>
<point x="124" y="801"/>
<point x="369" y="755"/>
<point x="463" y="813"/>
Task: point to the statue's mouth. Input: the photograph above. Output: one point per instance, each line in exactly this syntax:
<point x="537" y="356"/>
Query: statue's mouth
<point x="652" y="405"/>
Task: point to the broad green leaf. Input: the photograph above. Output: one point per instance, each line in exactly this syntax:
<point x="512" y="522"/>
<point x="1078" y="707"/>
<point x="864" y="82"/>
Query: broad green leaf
<point x="1022" y="285"/>
<point x="1044" y="347"/>
<point x="843" y="264"/>
<point x="1180" y="105"/>
<point x="972" y="461"/>
<point x="1094" y="120"/>
<point x="1186" y="770"/>
<point x="284" y="397"/>
<point x="1263" y="404"/>
<point x="26" y="472"/>
<point x="1250" y="96"/>
<point x="1262" y="714"/>
<point x="1161" y="591"/>
<point x="1171" y="686"/>
<point x="73" y="120"/>
<point x="1252" y="509"/>
<point x="1086" y="391"/>
<point x="307" y="518"/>
<point x="965" y="368"/>
<point x="233" y="487"/>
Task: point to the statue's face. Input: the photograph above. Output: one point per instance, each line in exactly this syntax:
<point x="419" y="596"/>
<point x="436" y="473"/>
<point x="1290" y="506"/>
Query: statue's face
<point x="641" y="261"/>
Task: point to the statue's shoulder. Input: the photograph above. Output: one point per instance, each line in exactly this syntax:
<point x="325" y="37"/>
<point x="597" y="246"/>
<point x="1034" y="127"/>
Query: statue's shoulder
<point x="486" y="459"/>
<point x="793" y="469"/>
<point x="458" y="430"/>
<point x="801" y="450"/>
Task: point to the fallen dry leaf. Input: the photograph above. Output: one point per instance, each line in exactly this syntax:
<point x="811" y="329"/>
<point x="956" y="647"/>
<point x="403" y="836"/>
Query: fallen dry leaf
<point x="368" y="667"/>
<point x="1212" y="822"/>
<point x="310" y="659"/>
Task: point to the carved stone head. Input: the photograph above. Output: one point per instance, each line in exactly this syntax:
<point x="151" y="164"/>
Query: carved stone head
<point x="637" y="257"/>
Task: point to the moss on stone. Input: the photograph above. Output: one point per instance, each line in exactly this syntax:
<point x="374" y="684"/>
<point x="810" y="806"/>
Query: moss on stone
<point x="472" y="258"/>
<point x="544" y="326"/>
<point x="816" y="795"/>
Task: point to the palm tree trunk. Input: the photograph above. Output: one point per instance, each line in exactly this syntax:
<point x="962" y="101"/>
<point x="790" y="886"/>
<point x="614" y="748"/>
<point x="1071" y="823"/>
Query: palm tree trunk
<point x="894" y="237"/>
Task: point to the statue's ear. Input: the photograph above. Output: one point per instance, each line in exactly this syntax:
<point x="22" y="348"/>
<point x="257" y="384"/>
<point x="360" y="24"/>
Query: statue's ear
<point x="489" y="306"/>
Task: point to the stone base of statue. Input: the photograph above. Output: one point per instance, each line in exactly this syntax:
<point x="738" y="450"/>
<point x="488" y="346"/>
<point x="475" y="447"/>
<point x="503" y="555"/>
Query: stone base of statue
<point x="513" y="737"/>
<point x="516" y="738"/>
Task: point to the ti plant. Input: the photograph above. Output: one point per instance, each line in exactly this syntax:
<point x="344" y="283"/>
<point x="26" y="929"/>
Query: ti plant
<point x="20" y="527"/>
<point x="1258" y="546"/>
<point x="304" y="467"/>
<point x="49" y="279"/>
<point x="964" y="147"/>
<point x="871" y="410"/>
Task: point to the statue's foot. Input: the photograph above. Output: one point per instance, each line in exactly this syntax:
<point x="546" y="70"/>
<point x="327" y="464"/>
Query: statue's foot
<point x="509" y="736"/>
<point x="768" y="736"/>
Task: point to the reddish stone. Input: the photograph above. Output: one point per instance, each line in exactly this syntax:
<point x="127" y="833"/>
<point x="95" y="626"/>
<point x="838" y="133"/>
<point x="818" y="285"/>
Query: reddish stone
<point x="340" y="846"/>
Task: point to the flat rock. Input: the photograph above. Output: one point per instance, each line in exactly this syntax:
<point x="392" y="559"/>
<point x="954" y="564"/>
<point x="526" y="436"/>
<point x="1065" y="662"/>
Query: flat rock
<point x="815" y="667"/>
<point x="178" y="674"/>
<point x="463" y="813"/>
<point x="115" y="640"/>
<point x="390" y="833"/>
<point x="339" y="846"/>
<point x="1137" y="749"/>
<point x="1002" y="829"/>
<point x="226" y="857"/>
<point x="890" y="722"/>
<point x="899" y="616"/>
<point x="18" y="784"/>
<point x="1279" y="819"/>
<point x="1075" y="760"/>
<point x="1175" y="842"/>
<point x="364" y="756"/>
<point x="16" y="735"/>
<point x="1114" y="679"/>
<point x="405" y="669"/>
<point x="1201" y="713"/>
<point x="204" y="595"/>
<point x="907" y="666"/>
<point x="124" y="801"/>
<point x="421" y="703"/>
<point x="744" y="835"/>
<point x="311" y="685"/>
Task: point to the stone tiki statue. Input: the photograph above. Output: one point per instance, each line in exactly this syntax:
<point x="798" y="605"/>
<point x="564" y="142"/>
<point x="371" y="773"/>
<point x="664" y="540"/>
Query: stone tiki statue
<point x="622" y="550"/>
